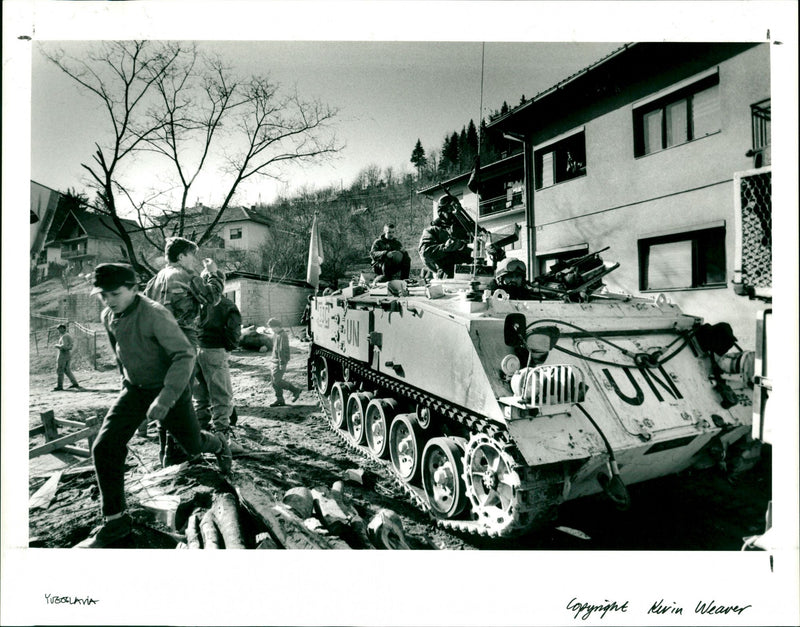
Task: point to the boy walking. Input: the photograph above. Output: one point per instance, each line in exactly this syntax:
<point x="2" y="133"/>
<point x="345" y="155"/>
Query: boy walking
<point x="156" y="361"/>
<point x="220" y="329"/>
<point x="280" y="359"/>
<point x="64" y="346"/>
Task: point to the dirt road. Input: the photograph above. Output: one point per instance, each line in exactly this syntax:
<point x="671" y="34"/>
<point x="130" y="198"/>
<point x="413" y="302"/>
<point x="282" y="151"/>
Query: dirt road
<point x="293" y="446"/>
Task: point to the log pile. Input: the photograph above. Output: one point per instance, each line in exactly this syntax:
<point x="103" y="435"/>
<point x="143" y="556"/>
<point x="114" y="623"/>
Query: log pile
<point x="318" y="518"/>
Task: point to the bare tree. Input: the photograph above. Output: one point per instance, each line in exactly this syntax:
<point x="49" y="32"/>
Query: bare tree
<point x="167" y="99"/>
<point x="272" y="130"/>
<point x="122" y="74"/>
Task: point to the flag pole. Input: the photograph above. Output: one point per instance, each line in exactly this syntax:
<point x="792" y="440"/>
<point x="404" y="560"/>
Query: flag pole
<point x="476" y="171"/>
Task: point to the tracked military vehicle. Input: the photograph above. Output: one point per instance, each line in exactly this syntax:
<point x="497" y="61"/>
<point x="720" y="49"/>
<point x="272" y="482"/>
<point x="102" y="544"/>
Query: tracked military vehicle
<point x="490" y="412"/>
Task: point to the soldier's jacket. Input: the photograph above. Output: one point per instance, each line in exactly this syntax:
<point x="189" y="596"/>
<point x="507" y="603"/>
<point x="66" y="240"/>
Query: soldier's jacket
<point x="381" y="246"/>
<point x="183" y="292"/>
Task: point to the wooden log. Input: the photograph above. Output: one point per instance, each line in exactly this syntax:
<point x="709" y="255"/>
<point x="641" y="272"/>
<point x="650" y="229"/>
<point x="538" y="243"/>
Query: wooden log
<point x="50" y="426"/>
<point x="45" y="494"/>
<point x="357" y="523"/>
<point x="63" y="422"/>
<point x="330" y="513"/>
<point x="300" y="501"/>
<point x="226" y="516"/>
<point x="77" y="450"/>
<point x="284" y="526"/>
<point x="386" y="530"/>
<point x="58" y="443"/>
<point x="209" y="531"/>
<point x="194" y="539"/>
<point x="341" y="518"/>
<point x="36" y="431"/>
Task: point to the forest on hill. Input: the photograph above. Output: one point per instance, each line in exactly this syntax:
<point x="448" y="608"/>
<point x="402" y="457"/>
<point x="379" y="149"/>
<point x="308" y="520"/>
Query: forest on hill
<point x="350" y="218"/>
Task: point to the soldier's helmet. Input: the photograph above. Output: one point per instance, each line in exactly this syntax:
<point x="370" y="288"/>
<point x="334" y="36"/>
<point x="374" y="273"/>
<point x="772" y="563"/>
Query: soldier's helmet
<point x="509" y="265"/>
<point x="445" y="203"/>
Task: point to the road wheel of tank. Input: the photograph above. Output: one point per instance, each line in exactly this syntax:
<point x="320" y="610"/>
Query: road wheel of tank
<point x="340" y="392"/>
<point x="322" y="374"/>
<point x="424" y="415"/>
<point x="377" y="419"/>
<point x="356" y="408"/>
<point x="405" y="446"/>
<point x="490" y="481"/>
<point x="442" y="477"/>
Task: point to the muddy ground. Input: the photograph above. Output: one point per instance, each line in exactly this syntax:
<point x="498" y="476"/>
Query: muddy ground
<point x="293" y="446"/>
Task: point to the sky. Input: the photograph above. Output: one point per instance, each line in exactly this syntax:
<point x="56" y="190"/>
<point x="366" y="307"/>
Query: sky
<point x="388" y="94"/>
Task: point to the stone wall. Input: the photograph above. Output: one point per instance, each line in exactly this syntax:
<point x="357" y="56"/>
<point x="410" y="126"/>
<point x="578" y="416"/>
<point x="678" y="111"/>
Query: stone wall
<point x="80" y="307"/>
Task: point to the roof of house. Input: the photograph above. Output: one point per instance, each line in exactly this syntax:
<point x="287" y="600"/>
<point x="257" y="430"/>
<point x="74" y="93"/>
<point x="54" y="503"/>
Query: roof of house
<point x="202" y="216"/>
<point x="94" y="225"/>
<point x="642" y="59"/>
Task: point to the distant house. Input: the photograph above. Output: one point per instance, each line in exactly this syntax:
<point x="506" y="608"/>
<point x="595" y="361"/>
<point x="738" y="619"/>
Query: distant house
<point x="259" y="298"/>
<point x="240" y="228"/>
<point x="47" y="206"/>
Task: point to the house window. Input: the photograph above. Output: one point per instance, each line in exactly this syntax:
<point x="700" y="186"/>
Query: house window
<point x="683" y="260"/>
<point x="561" y="161"/>
<point x="760" y="116"/>
<point x="686" y="114"/>
<point x="236" y="233"/>
<point x="548" y="261"/>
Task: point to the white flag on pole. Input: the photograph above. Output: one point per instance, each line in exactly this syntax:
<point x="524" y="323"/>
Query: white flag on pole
<point x="315" y="256"/>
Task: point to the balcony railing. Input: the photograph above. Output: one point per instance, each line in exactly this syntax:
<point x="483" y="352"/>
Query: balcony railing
<point x="499" y="204"/>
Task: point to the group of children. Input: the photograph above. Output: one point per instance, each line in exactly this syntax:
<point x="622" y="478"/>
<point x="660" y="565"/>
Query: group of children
<point x="157" y="343"/>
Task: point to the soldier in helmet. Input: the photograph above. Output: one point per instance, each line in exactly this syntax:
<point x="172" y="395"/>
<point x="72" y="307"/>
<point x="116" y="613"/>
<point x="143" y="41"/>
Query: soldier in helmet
<point x="442" y="244"/>
<point x="510" y="277"/>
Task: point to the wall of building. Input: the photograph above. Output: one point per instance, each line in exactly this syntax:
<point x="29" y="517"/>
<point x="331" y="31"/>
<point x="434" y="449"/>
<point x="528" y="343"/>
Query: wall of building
<point x="623" y="198"/>
<point x="80" y="307"/>
<point x="253" y="235"/>
<point x="258" y="301"/>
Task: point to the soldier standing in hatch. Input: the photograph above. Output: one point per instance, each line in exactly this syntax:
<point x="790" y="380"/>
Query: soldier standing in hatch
<point x="156" y="361"/>
<point x="64" y="346"/>
<point x="389" y="259"/>
<point x="180" y="288"/>
<point x="440" y="247"/>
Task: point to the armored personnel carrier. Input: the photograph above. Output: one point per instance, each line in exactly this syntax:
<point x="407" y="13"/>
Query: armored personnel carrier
<point x="490" y="412"/>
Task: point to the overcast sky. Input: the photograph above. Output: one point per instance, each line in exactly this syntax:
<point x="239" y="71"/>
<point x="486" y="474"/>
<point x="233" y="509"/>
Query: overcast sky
<point x="388" y="94"/>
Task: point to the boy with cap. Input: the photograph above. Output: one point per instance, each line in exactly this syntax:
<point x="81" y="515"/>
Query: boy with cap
<point x="280" y="359"/>
<point x="64" y="347"/>
<point x="156" y="361"/>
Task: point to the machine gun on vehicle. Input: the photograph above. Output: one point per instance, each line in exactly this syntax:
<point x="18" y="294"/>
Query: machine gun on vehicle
<point x="570" y="277"/>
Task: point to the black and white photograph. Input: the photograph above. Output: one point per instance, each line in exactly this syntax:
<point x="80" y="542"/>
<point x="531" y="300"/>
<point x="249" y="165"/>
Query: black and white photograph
<point x="485" y="286"/>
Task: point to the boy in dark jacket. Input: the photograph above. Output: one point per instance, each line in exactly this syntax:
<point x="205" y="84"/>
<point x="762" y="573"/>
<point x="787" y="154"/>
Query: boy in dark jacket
<point x="156" y="361"/>
<point x="219" y="331"/>
<point x="389" y="260"/>
<point x="280" y="359"/>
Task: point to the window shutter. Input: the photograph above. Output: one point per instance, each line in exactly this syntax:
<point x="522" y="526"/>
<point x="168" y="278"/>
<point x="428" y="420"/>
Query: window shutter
<point x="669" y="265"/>
<point x="705" y="112"/>
<point x="547" y="169"/>
<point x="652" y="131"/>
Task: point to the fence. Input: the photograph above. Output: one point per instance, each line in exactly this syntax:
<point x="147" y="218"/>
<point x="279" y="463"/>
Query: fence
<point x="753" y="200"/>
<point x="44" y="334"/>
